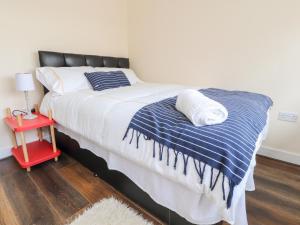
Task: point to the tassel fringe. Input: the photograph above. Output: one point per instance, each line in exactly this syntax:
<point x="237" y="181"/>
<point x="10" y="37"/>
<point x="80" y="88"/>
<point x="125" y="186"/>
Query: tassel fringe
<point x="199" y="166"/>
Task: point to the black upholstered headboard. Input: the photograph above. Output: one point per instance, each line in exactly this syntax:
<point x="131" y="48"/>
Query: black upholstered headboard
<point x="58" y="59"/>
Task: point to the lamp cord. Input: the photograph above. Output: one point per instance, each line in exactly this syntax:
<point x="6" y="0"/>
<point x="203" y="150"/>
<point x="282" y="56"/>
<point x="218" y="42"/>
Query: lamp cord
<point x="14" y="112"/>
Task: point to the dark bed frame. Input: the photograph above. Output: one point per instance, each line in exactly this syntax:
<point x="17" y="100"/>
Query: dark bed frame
<point x="96" y="164"/>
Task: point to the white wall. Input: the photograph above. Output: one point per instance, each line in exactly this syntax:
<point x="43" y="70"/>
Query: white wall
<point x="78" y="26"/>
<point x="248" y="45"/>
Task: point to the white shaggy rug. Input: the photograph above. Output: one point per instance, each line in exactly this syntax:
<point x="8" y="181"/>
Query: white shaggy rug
<point x="110" y="211"/>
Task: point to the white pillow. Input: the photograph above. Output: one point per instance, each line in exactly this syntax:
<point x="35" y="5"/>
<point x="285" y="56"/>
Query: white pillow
<point x="61" y="80"/>
<point x="130" y="74"/>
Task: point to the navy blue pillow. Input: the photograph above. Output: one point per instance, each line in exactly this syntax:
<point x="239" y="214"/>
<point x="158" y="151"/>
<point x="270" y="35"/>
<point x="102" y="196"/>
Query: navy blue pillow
<point x="106" y="80"/>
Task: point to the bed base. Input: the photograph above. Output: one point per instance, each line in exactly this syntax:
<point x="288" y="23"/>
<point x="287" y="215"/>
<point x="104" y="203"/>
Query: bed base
<point x="118" y="180"/>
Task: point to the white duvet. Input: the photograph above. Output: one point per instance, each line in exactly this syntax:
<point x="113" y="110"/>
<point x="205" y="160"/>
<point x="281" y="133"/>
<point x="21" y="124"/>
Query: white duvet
<point x="103" y="117"/>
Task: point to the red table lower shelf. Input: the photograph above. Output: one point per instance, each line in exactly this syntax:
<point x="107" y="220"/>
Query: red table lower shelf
<point x="38" y="152"/>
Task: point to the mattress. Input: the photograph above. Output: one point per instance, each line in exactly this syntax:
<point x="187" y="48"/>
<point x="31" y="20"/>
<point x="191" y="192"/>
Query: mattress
<point x="98" y="121"/>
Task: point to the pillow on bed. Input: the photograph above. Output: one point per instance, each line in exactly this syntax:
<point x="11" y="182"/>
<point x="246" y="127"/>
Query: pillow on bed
<point x="130" y="74"/>
<point x="107" y="80"/>
<point x="61" y="80"/>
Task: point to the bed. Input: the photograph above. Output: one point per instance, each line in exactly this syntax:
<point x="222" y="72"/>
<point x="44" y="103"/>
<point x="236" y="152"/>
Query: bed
<point x="91" y="126"/>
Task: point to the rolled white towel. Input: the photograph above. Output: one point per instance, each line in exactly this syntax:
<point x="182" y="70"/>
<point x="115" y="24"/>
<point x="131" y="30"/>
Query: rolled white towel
<point x="200" y="109"/>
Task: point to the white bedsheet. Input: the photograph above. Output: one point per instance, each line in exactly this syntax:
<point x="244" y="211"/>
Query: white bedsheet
<point x="98" y="121"/>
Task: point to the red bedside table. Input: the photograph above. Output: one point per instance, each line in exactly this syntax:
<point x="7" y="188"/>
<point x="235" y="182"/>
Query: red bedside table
<point x="28" y="155"/>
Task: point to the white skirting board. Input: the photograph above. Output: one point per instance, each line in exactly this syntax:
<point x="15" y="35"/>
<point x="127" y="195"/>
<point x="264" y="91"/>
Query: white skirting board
<point x="265" y="151"/>
<point x="280" y="155"/>
<point x="5" y="152"/>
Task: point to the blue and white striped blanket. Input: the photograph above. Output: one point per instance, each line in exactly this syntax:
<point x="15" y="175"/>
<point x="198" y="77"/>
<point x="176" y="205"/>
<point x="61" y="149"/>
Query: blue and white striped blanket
<point x="227" y="147"/>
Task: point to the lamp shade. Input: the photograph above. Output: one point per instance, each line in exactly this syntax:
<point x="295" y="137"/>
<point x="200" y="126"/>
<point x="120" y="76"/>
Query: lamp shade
<point x="24" y="82"/>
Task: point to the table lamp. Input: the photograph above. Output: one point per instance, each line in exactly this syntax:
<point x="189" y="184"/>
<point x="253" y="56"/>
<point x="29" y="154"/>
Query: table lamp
<point x="24" y="82"/>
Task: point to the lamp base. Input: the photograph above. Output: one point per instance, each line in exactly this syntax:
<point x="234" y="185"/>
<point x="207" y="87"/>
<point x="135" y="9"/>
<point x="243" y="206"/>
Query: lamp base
<point x="29" y="117"/>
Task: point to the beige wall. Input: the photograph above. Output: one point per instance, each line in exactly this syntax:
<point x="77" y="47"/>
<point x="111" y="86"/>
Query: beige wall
<point x="248" y="45"/>
<point x="80" y="26"/>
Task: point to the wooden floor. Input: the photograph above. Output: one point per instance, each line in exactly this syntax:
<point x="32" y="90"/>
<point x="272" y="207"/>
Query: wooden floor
<point x="54" y="193"/>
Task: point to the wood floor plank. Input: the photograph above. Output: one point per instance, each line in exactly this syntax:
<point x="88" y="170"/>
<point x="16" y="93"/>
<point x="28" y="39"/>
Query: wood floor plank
<point x="8" y="166"/>
<point x="63" y="160"/>
<point x="49" y="194"/>
<point x="279" y="175"/>
<point x="63" y="197"/>
<point x="94" y="189"/>
<point x="7" y="215"/>
<point x="285" y="191"/>
<point x="27" y="201"/>
<point x="276" y="199"/>
<point x="83" y="180"/>
<point x="260" y="213"/>
<point x="275" y="203"/>
<point x="287" y="168"/>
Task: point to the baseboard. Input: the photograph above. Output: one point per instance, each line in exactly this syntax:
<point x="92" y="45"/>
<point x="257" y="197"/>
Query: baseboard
<point x="5" y="152"/>
<point x="280" y="154"/>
